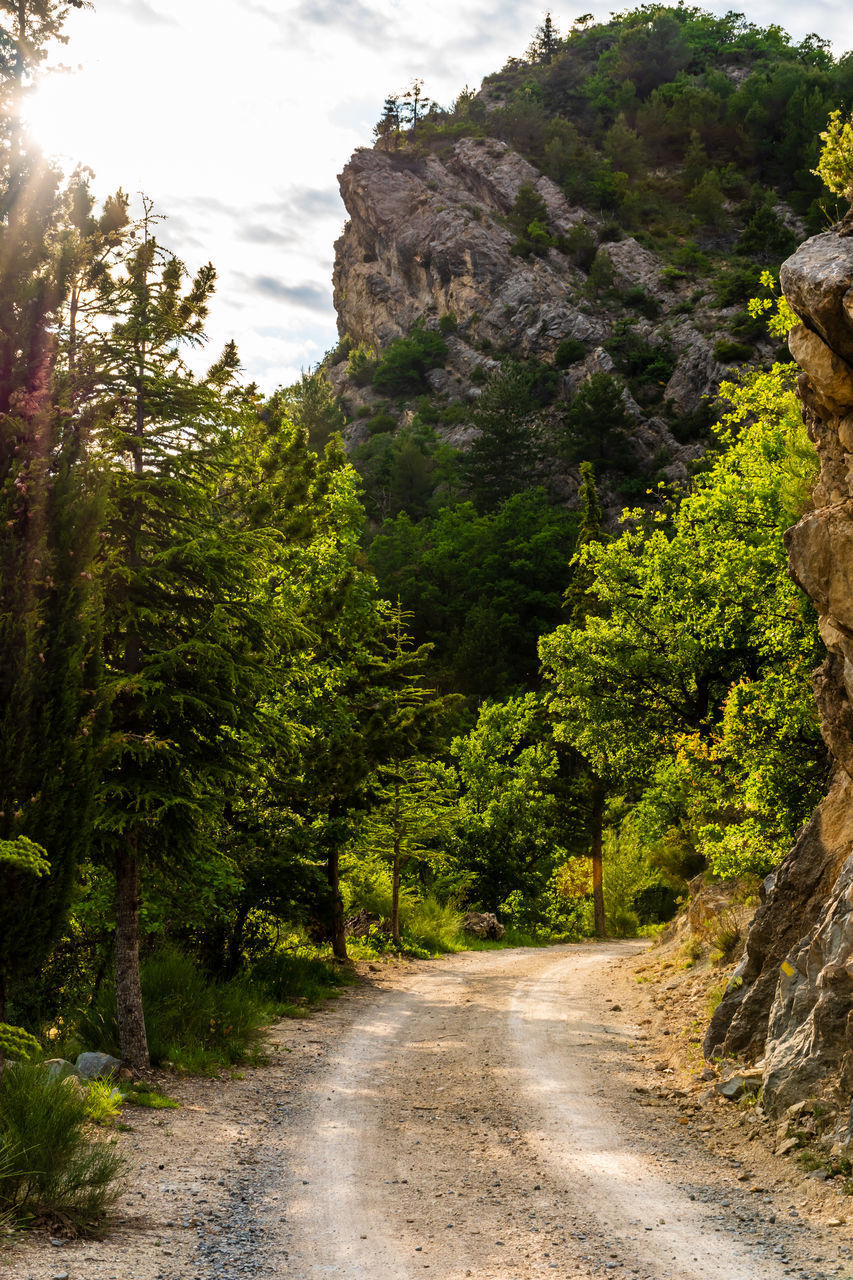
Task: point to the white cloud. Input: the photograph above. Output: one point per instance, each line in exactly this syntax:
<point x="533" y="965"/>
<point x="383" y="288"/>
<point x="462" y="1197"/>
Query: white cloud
<point x="236" y="115"/>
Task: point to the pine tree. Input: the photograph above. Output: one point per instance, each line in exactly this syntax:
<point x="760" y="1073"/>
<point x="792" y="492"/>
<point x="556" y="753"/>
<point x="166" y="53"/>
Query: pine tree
<point x="408" y="803"/>
<point x="388" y="128"/>
<point x="49" y="521"/>
<point x="577" y="600"/>
<point x="501" y="459"/>
<point x="415" y="105"/>
<point x="545" y="42"/>
<point x="183" y="628"/>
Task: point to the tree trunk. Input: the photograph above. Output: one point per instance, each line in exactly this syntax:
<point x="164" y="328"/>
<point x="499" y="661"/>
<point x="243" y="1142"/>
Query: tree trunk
<point x="597" y="873"/>
<point x="395" y="882"/>
<point x="339" y="938"/>
<point x="395" y="899"/>
<point x="131" y="1019"/>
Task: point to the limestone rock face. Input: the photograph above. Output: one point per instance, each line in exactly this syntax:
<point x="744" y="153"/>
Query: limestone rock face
<point x="428" y="236"/>
<point x="792" y="996"/>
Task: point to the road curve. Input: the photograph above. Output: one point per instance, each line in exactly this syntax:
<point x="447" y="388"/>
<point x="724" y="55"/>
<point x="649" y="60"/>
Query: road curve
<point x="480" y="1119"/>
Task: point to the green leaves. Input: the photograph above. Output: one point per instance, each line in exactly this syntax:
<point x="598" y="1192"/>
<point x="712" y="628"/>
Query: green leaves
<point x="691" y="673"/>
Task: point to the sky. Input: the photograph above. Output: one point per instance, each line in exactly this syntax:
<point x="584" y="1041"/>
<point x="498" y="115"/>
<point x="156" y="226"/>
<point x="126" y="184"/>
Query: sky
<point x="235" y="116"/>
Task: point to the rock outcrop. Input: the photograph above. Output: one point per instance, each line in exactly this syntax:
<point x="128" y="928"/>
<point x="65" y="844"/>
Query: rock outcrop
<point x="792" y="996"/>
<point x="429" y="236"/>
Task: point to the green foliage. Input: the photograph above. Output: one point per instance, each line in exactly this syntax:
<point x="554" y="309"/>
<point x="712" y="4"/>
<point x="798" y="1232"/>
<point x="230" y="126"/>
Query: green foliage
<point x="579" y="245"/>
<point x="481" y="588"/>
<point x="293" y="982"/>
<point x="640" y="362"/>
<point x="434" y="925"/>
<point x="103" y="1101"/>
<point x="568" y="352"/>
<point x="835" y="165"/>
<point x="501" y="459"/>
<point x="16" y="1043"/>
<point x="142" y="1095"/>
<point x="197" y="1025"/>
<point x="679" y="682"/>
<point x="361" y="364"/>
<point x="404" y="364"/>
<point x="381" y="421"/>
<point x="515" y="816"/>
<point x="729" y="352"/>
<point x="311" y="406"/>
<point x="50" y="1165"/>
<point x="773" y="308"/>
<point x="597" y="424"/>
<point x="736" y="285"/>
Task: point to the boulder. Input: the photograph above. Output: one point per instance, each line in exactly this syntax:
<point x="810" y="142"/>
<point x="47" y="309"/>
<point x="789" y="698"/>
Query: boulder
<point x="60" y="1068"/>
<point x="483" y="924"/>
<point x="97" y="1066"/>
<point x="741" y="1082"/>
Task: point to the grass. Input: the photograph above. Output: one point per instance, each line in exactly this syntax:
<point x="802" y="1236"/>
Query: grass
<point x="142" y="1095"/>
<point x="727" y="936"/>
<point x="52" y="1167"/>
<point x="294" y="982"/>
<point x="194" y="1025"/>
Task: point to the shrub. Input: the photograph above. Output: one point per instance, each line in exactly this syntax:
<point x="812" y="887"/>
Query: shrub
<point x="50" y="1163"/>
<point x="381" y="421"/>
<point x="198" y="1025"/>
<point x="406" y="361"/>
<point x="729" y="352"/>
<point x="447" y="324"/>
<point x="601" y="272"/>
<point x="726" y="935"/>
<point x="639" y="300"/>
<point x="579" y="245"/>
<point x="736" y="285"/>
<point x="434" y="925"/>
<point x="361" y="364"/>
<point x="569" y="352"/>
<point x="670" y="276"/>
<point x="294" y="982"/>
<point x="638" y="359"/>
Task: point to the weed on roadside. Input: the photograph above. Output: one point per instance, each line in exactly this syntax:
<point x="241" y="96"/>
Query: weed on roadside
<point x="142" y="1095"/>
<point x="52" y="1166"/>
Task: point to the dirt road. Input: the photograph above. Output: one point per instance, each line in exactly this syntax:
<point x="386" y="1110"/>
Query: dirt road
<point x="486" y="1115"/>
<point x="481" y="1120"/>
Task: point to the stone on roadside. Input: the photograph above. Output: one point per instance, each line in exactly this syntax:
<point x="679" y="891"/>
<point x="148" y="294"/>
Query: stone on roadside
<point x="789" y="1144"/>
<point x="738" y="1084"/>
<point x="95" y="1066"/>
<point x="59" y="1068"/>
<point x="483" y="924"/>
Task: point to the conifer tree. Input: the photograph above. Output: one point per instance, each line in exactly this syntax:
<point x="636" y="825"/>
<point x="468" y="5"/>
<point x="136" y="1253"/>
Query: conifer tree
<point x="501" y="458"/>
<point x="387" y="129"/>
<point x="183" y="629"/>
<point x="407" y="799"/>
<point x="49" y="519"/>
<point x="545" y="42"/>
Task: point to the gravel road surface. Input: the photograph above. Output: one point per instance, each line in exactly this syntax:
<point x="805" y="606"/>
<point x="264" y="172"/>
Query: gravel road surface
<point x="487" y="1114"/>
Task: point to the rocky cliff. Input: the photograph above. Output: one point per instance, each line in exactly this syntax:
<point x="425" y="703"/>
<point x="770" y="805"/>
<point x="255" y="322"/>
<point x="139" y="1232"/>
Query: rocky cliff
<point x="791" y="1000"/>
<point x="429" y="236"/>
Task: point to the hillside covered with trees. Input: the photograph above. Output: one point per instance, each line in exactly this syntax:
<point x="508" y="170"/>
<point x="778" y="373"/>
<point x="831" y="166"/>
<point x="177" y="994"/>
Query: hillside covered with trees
<point x="271" y="663"/>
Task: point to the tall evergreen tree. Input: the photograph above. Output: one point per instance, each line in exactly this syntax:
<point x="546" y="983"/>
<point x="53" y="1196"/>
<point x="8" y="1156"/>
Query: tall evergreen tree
<point x="183" y="631"/>
<point x="49" y="515"/>
<point x="501" y="459"/>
